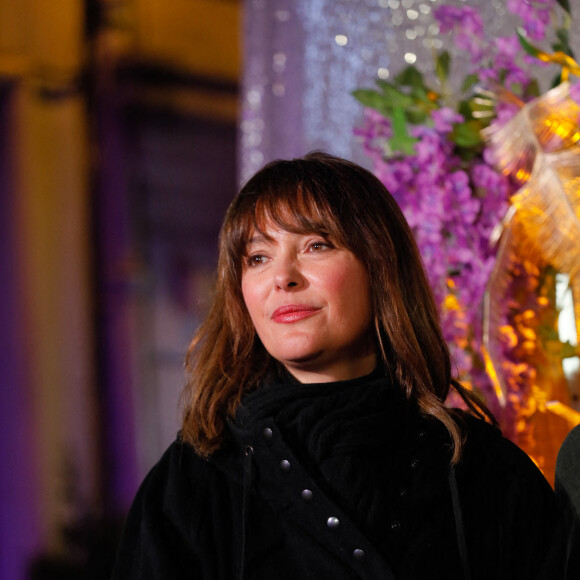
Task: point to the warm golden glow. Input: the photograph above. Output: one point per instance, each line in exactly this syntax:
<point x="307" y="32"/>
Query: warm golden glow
<point x="568" y="64"/>
<point x="508" y="335"/>
<point x="564" y="411"/>
<point x="451" y="302"/>
<point x="203" y="36"/>
<point x="490" y="369"/>
<point x="539" y="149"/>
<point x="565" y="128"/>
<point x="522" y="175"/>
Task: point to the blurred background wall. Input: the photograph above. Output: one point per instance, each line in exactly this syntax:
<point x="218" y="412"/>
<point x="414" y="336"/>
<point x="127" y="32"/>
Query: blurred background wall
<point x="117" y="160"/>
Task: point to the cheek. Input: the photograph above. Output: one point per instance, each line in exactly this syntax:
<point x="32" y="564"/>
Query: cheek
<point x="250" y="293"/>
<point x="350" y="288"/>
<point x="354" y="282"/>
<point x="246" y="294"/>
<point x="359" y="299"/>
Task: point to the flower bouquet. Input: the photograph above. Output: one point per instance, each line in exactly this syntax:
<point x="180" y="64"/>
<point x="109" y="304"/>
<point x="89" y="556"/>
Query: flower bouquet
<point x="438" y="149"/>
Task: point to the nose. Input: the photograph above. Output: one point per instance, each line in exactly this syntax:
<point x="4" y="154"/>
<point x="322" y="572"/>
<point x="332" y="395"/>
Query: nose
<point x="287" y="275"/>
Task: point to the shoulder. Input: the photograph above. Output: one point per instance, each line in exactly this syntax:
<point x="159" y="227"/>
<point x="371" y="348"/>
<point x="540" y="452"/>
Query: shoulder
<point x="511" y="508"/>
<point x="179" y="466"/>
<point x="485" y="445"/>
<point x="175" y="518"/>
<point x="492" y="462"/>
<point x="180" y="486"/>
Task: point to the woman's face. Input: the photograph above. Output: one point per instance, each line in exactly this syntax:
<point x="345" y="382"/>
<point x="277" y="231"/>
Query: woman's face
<point x="310" y="302"/>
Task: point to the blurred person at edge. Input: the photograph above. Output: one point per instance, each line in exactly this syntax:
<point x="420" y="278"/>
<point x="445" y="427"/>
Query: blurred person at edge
<point x="315" y="439"/>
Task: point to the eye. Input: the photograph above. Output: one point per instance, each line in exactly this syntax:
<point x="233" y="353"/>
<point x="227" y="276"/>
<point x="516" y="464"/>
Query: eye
<point x="255" y="260"/>
<point x="319" y="246"/>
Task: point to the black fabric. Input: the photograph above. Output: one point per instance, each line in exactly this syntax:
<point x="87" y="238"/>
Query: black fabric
<point x="459" y="527"/>
<point x="366" y="457"/>
<point x="568" y="468"/>
<point x="567" y="486"/>
<point x="348" y="436"/>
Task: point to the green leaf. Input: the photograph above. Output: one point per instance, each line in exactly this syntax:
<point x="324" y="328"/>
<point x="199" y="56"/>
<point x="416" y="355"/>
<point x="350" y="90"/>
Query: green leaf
<point x="563" y="43"/>
<point x="468" y="154"/>
<point x="548" y="335"/>
<point x="529" y="48"/>
<point x="419" y="94"/>
<point x="474" y="104"/>
<point x="401" y="140"/>
<point x="375" y="100"/>
<point x="442" y="65"/>
<point x="410" y="77"/>
<point x="417" y="115"/>
<point x="516" y="88"/>
<point x="532" y="90"/>
<point x="394" y="96"/>
<point x="370" y="98"/>
<point x="557" y="80"/>
<point x="464" y="109"/>
<point x="469" y="81"/>
<point x="569" y="350"/>
<point x="565" y="5"/>
<point x="385" y="85"/>
<point x="467" y="134"/>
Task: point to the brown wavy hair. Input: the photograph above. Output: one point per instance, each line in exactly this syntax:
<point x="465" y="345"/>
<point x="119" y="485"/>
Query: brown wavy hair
<point x="317" y="193"/>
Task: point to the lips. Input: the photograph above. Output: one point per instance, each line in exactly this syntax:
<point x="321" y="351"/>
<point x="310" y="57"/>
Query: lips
<point x="293" y="312"/>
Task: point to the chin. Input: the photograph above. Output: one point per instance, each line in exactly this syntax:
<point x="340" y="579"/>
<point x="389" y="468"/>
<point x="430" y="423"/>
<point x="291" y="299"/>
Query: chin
<point x="300" y="359"/>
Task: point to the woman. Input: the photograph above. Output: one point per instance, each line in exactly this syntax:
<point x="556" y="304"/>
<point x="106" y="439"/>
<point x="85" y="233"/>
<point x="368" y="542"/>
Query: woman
<point x="315" y="441"/>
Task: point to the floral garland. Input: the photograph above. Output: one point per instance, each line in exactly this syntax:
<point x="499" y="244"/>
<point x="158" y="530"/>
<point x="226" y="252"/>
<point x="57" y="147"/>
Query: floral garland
<point x="430" y="154"/>
<point x="453" y="207"/>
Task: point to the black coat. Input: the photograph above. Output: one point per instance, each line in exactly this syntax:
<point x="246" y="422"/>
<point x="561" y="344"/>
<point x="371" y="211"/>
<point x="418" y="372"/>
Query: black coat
<point x="344" y="481"/>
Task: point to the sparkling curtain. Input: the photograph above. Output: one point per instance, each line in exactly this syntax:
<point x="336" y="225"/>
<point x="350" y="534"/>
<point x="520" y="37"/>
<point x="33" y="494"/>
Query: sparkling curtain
<point x="303" y="58"/>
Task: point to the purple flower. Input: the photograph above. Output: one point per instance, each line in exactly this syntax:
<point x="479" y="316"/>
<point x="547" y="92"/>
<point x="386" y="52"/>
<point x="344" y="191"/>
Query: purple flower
<point x="516" y="75"/>
<point x="454" y="205"/>
<point x="488" y="76"/>
<point x="444" y="119"/>
<point x="484" y="176"/>
<point x="463" y="18"/>
<point x="470" y="44"/>
<point x="466" y="22"/>
<point x="533" y="62"/>
<point x="507" y="47"/>
<point x="535" y="15"/>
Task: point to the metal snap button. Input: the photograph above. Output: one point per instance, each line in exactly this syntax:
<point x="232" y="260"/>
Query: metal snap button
<point x="306" y="495"/>
<point x="332" y="522"/>
<point x="267" y="433"/>
<point x="358" y="554"/>
<point x="285" y="465"/>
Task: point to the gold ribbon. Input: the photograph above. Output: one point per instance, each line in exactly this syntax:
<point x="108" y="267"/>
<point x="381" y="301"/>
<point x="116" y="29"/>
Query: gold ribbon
<point x="568" y="64"/>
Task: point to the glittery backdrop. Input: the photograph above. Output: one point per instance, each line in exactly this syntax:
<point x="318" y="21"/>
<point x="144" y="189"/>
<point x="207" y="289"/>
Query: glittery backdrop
<point x="303" y="58"/>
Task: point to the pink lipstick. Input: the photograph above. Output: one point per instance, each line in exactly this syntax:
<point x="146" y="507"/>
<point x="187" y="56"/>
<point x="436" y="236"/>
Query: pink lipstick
<point x="293" y="312"/>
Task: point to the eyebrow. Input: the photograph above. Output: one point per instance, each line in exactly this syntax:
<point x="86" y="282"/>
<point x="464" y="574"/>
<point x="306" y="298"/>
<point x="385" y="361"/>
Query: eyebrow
<point x="257" y="239"/>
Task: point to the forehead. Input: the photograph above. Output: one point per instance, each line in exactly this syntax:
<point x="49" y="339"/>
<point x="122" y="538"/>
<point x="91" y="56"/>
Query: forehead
<point x="268" y="222"/>
<point x="272" y="233"/>
<point x="288" y="207"/>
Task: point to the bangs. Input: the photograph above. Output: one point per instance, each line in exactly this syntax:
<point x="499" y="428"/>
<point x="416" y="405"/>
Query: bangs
<point x="297" y="207"/>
